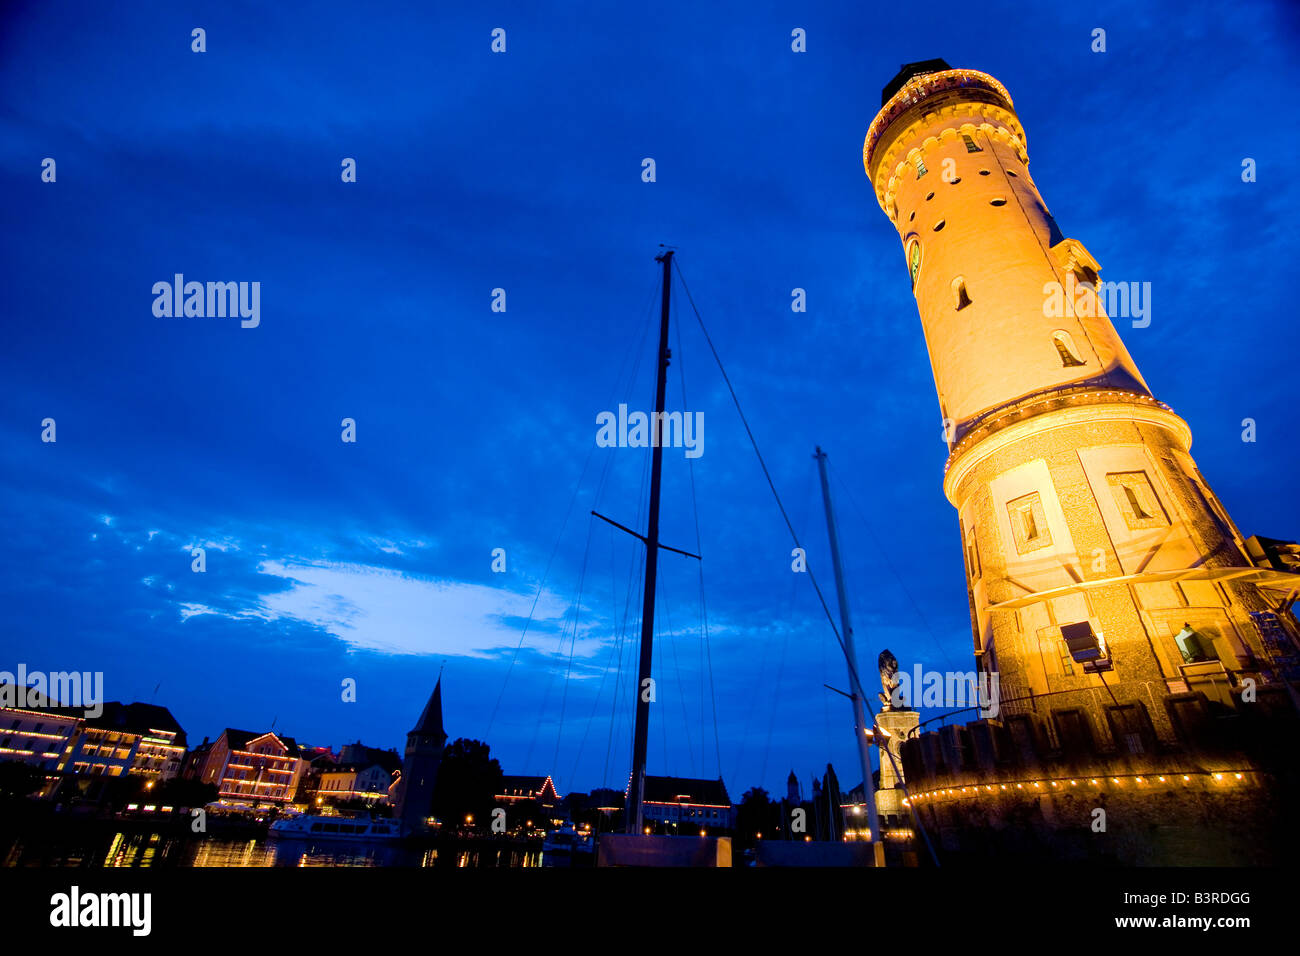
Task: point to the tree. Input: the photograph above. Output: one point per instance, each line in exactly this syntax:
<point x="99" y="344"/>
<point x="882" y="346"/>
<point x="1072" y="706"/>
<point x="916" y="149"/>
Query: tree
<point x="19" y="779"/>
<point x="756" y="814"/>
<point x="468" y="780"/>
<point x="179" y="792"/>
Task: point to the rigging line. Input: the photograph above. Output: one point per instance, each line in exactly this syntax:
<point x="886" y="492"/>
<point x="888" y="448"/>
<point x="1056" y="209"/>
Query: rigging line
<point x="854" y="678"/>
<point x="573" y="646"/>
<point x="536" y="597"/>
<point x="618" y="680"/>
<point x="681" y="693"/>
<point x="699" y="549"/>
<point x="766" y="474"/>
<point x="609" y="660"/>
<point x="897" y="577"/>
<point x="776" y="695"/>
<point x="563" y="525"/>
<point x="663" y="724"/>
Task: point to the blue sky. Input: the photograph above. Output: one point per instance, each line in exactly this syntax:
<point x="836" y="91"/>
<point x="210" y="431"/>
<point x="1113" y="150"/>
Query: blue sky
<point x="522" y="171"/>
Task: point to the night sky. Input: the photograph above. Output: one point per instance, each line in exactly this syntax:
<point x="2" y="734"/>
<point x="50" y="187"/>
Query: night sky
<point x="475" y="428"/>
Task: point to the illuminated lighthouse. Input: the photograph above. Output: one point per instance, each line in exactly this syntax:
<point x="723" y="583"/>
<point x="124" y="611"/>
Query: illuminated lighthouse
<point x="1109" y="588"/>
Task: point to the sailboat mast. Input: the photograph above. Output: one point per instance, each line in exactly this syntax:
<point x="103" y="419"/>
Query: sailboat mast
<point x="860" y="726"/>
<point x="636" y="789"/>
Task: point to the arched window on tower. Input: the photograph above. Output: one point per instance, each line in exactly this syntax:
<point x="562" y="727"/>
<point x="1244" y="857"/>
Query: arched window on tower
<point x="1065" y="348"/>
<point x="961" y="297"/>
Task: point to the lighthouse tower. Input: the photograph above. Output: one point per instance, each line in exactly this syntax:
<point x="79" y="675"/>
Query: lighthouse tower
<point x="1109" y="589"/>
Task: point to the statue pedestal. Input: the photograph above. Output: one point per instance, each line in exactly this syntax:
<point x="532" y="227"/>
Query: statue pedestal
<point x="889" y="794"/>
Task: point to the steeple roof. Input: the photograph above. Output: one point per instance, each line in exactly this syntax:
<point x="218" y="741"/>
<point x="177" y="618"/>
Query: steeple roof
<point x="430" y="722"/>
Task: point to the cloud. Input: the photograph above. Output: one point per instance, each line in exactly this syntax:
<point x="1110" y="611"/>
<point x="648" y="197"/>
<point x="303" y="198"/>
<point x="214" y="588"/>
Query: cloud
<point x="371" y="608"/>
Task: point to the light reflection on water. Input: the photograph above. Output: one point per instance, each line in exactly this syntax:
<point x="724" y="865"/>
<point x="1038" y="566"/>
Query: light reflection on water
<point x="154" y="850"/>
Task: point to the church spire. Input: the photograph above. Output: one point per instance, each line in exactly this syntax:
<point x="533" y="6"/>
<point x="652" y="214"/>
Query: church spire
<point x="430" y="722"/>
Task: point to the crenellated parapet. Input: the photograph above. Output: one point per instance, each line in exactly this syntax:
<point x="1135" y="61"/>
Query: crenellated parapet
<point x="1000" y="787"/>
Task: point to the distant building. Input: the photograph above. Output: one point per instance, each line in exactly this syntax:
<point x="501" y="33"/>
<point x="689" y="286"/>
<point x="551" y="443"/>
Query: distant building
<point x="420" y="763"/>
<point x="607" y="800"/>
<point x="142" y="739"/>
<point x="687" y="803"/>
<point x="362" y="773"/>
<point x="315" y="760"/>
<point x="514" y="789"/>
<point x="248" y="768"/>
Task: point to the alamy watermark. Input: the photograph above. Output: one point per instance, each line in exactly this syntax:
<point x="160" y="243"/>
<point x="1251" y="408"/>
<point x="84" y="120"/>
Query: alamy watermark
<point x="952" y="690"/>
<point x="1118" y="300"/>
<point x="215" y="300"/>
<point x="639" y="430"/>
<point x="38" y="690"/>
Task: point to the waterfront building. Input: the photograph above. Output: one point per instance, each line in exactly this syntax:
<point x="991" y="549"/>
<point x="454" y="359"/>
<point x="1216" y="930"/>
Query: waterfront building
<point x="518" y="789"/>
<point x="363" y="773"/>
<point x="140" y="739"/>
<point x="255" y="770"/>
<point x="687" y="805"/>
<point x="39" y="733"/>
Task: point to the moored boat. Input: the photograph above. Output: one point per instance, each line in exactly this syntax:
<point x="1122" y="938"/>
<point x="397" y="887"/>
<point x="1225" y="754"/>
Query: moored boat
<point x="311" y="827"/>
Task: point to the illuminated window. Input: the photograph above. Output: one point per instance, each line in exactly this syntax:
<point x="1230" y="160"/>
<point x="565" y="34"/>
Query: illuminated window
<point x="1065" y="348"/>
<point x="1029" y="523"/>
<point x="970" y="144"/>
<point x="1136" y="500"/>
<point x="972" y="553"/>
<point x="1194" y="646"/>
<point x="920" y="167"/>
<point x="914" y="259"/>
<point x="960" y="296"/>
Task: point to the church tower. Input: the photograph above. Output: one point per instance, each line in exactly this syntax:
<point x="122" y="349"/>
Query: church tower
<point x="1109" y="589"/>
<point x="424" y="746"/>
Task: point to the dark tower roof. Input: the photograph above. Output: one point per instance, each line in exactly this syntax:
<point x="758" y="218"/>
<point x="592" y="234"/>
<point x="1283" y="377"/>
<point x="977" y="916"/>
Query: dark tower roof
<point x="906" y="72"/>
<point x="430" y="722"/>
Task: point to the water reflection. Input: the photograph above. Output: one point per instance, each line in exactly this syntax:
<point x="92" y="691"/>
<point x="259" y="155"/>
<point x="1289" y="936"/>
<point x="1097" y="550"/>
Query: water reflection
<point x="153" y="849"/>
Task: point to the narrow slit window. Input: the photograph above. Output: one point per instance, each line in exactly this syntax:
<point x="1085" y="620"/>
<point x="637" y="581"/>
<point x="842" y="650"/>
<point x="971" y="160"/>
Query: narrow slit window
<point x="960" y="296"/>
<point x="1065" y="348"/>
<point x="997" y="202"/>
<point x="1136" y="500"/>
<point x="1135" y="506"/>
<point x="970" y="144"/>
<point x="940" y="224"/>
<point x="972" y="553"/>
<point x="1029" y="523"/>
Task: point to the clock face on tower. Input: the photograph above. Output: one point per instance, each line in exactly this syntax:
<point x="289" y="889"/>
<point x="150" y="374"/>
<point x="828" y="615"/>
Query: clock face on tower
<point x="914" y="259"/>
